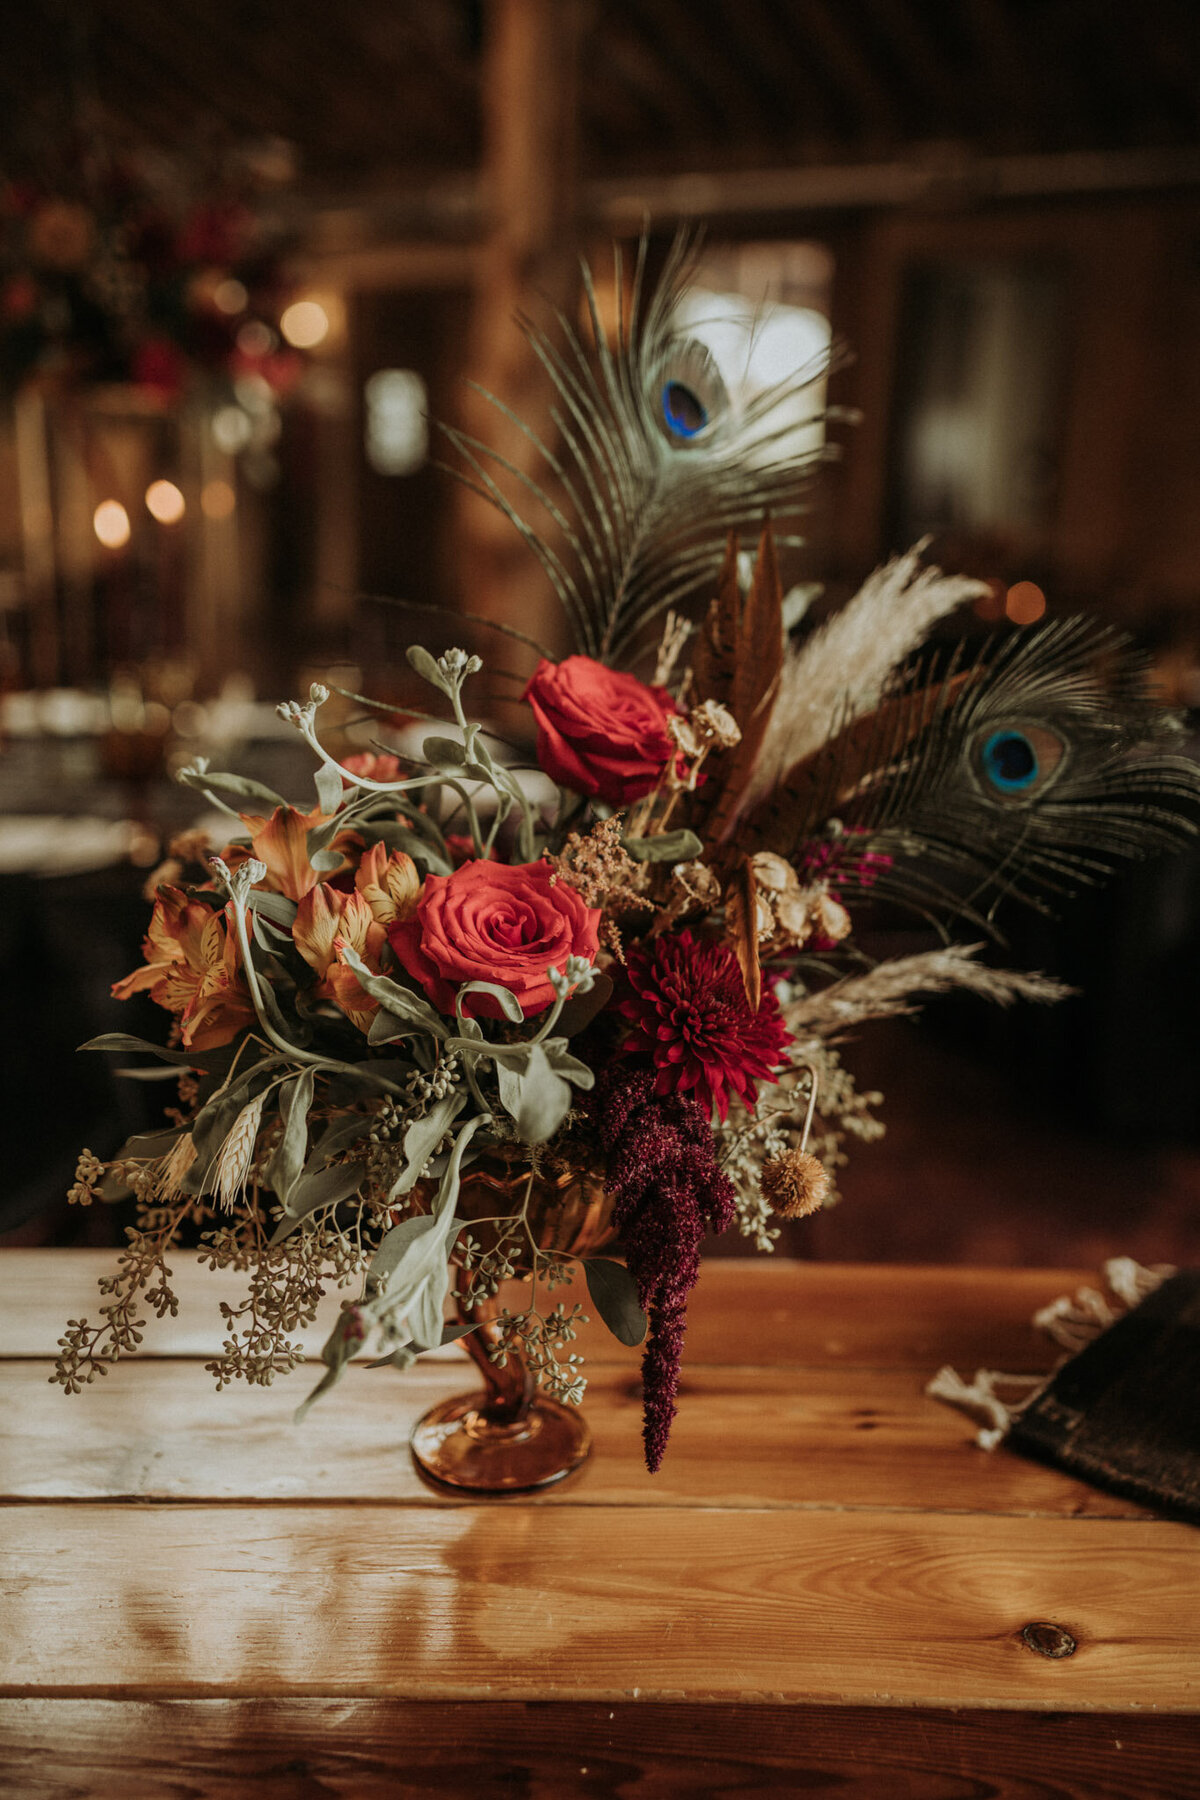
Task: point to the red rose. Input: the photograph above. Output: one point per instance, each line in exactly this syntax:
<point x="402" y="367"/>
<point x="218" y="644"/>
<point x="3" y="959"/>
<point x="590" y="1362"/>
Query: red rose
<point x="492" y="922"/>
<point x="600" y="732"/>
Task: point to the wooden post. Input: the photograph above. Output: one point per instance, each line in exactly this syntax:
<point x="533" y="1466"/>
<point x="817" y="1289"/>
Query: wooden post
<point x="529" y="259"/>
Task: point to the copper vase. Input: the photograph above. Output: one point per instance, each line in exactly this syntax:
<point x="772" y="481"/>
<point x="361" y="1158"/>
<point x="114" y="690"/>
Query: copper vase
<point x="508" y="1437"/>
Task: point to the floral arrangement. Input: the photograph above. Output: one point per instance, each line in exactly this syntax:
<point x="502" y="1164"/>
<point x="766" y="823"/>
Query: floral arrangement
<point x="651" y="977"/>
<point x="122" y="272"/>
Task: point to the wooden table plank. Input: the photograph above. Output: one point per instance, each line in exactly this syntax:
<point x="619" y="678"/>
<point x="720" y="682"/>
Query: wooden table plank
<point x="766" y="1312"/>
<point x="410" y="1750"/>
<point x="157" y="1430"/>
<point x="516" y="1603"/>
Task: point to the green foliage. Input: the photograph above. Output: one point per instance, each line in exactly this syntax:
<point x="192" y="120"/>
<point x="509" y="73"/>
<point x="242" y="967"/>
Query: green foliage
<point x="615" y="1294"/>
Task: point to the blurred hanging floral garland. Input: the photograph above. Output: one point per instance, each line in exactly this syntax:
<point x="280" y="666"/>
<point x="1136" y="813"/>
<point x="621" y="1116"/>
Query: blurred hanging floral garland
<point x="130" y="268"/>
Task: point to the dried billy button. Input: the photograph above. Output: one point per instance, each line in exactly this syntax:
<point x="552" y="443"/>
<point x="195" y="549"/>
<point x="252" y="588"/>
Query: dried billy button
<point x="795" y="1184"/>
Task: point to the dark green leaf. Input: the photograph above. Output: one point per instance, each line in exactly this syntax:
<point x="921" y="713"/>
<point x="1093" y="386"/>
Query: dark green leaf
<point x="581" y="1009"/>
<point x="614" y="1292"/>
<point x="121" y="1040"/>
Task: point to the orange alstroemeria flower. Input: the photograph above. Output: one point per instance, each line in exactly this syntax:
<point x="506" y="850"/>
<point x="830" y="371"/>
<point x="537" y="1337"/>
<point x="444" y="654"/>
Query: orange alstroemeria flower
<point x="192" y="969"/>
<point x="391" y="885"/>
<point x="387" y="888"/>
<point x="328" y="919"/>
<point x="281" y="842"/>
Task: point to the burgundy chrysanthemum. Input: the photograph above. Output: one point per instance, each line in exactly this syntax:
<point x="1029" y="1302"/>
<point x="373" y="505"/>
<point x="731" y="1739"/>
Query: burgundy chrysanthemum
<point x="689" y="1010"/>
<point x="667" y="1191"/>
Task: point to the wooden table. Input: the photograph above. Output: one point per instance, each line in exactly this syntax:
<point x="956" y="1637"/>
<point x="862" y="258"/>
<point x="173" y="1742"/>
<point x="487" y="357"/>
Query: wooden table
<point x="824" y="1590"/>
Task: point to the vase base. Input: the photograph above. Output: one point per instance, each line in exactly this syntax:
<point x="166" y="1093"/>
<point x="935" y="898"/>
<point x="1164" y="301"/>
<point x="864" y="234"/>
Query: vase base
<point x="457" y="1445"/>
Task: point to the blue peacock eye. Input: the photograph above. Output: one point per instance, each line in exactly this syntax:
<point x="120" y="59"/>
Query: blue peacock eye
<point x="685" y="414"/>
<point x="1010" y="761"/>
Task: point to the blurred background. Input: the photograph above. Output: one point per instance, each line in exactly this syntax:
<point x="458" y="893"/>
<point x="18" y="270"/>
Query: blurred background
<point x="247" y="253"/>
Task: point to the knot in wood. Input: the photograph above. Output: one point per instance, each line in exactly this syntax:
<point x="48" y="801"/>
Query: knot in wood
<point x="1054" y="1641"/>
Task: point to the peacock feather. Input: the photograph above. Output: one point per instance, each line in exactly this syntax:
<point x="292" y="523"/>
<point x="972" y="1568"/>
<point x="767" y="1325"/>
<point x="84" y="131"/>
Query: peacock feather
<point x="1039" y="765"/>
<point x="656" y="463"/>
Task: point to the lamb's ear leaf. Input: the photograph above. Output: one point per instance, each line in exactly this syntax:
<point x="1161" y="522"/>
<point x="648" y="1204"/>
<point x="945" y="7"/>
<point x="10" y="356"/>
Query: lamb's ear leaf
<point x="535" y="1097"/>
<point x="330" y="789"/>
<point x="615" y="1293"/>
<point x="510" y="1006"/>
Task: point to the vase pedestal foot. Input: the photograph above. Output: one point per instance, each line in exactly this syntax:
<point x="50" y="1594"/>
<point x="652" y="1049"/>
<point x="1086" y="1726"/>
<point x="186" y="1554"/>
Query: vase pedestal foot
<point x="457" y="1444"/>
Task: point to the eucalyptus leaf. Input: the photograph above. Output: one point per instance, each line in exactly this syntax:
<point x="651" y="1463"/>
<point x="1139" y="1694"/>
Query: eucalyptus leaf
<point x="614" y="1291"/>
<point x="386" y="1028"/>
<point x="323" y="1187"/>
<point x="147" y="1145"/>
<point x="399" y="837"/>
<point x="269" y="937"/>
<point x="422" y="1139"/>
<point x="338" y="1349"/>
<point x="668" y="846"/>
<point x="287" y="1160"/>
<point x="411" y="1264"/>
<point x="396" y="1244"/>
<point x="403" y="1358"/>
<point x="148" y="1074"/>
<point x="321" y="836"/>
<point x="406" y="1355"/>
<point x="121" y="1040"/>
<point x="326" y="861"/>
<point x="330" y="788"/>
<point x="276" y="907"/>
<point x="427" y="1312"/>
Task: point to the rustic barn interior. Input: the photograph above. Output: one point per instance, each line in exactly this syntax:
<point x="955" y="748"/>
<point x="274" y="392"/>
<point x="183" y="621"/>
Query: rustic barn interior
<point x="995" y="204"/>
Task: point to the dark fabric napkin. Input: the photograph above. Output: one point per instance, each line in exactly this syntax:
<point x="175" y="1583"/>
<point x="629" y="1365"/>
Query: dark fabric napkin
<point x="1124" y="1413"/>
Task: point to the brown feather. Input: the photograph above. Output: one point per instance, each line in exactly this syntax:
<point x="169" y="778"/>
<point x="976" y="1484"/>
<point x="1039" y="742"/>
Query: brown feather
<point x="717" y="639"/>
<point x="741" y="930"/>
<point x="755" y="682"/>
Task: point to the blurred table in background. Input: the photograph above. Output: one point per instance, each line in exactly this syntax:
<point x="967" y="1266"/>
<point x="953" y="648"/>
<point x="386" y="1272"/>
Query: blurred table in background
<point x="827" y="1587"/>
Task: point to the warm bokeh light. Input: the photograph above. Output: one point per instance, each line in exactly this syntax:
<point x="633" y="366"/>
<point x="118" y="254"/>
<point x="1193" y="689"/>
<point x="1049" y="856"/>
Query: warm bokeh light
<point x="256" y="339"/>
<point x="230" y="297"/>
<point x="990" y="605"/>
<point x="217" y="499"/>
<point x="110" y="522"/>
<point x="231" y="429"/>
<point x="165" y="502"/>
<point x="1024" y="603"/>
<point x="305" y="324"/>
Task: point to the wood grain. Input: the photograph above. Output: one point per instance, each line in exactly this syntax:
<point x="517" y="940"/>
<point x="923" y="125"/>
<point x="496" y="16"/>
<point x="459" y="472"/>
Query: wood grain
<point x="158" y="1430"/>
<point x="767" y="1313"/>
<point x="524" y="1603"/>
<point x="412" y="1750"/>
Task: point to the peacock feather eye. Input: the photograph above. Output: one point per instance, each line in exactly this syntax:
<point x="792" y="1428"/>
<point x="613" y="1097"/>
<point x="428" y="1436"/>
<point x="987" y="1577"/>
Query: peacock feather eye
<point x="1017" y="760"/>
<point x="1010" y="761"/>
<point x="684" y="413"/>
